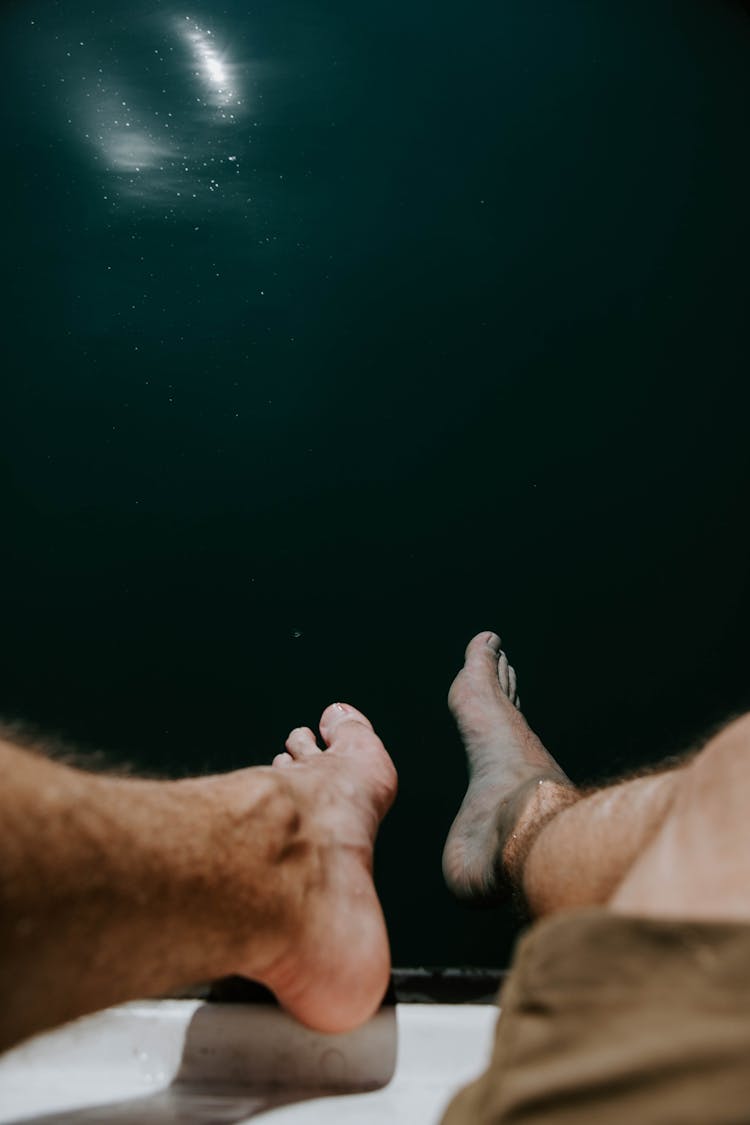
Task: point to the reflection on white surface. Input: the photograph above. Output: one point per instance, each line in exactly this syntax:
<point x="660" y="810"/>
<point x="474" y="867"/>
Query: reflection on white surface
<point x="181" y="1061"/>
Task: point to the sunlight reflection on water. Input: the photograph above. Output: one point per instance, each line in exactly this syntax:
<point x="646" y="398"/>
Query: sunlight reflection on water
<point x="165" y="114"/>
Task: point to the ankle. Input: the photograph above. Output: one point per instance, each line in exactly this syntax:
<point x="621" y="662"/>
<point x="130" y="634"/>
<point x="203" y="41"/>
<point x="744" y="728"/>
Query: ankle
<point x="538" y="802"/>
<point x="259" y="850"/>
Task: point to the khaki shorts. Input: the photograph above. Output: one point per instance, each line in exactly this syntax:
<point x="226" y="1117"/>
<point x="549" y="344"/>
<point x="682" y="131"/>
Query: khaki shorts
<point x="620" y="1021"/>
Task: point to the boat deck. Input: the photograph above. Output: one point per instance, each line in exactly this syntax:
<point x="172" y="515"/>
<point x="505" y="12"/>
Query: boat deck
<point x="189" y="1061"/>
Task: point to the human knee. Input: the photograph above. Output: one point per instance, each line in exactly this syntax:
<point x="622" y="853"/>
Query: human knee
<point x="734" y="736"/>
<point x="727" y="752"/>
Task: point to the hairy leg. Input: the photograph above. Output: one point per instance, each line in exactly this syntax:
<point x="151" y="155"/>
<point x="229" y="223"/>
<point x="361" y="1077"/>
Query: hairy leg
<point x="697" y="865"/>
<point x="523" y="826"/>
<point x="581" y="855"/>
<point x="115" y="888"/>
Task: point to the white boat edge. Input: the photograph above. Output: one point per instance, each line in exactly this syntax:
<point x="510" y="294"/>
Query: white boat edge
<point x="176" y="1059"/>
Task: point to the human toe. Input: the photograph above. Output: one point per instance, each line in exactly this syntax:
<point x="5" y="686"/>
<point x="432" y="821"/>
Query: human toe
<point x="301" y="744"/>
<point x="338" y="714"/>
<point x="512" y="685"/>
<point x="484" y="655"/>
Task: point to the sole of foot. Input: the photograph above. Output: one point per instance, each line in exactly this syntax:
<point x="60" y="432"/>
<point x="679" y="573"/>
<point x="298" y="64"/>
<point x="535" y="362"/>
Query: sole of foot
<point x="515" y="785"/>
<point x="335" y="974"/>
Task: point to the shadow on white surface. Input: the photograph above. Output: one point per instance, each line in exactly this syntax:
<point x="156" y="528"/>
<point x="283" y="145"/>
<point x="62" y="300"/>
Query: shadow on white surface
<point x="180" y="1105"/>
<point x="199" y="1063"/>
<point x="191" y="1063"/>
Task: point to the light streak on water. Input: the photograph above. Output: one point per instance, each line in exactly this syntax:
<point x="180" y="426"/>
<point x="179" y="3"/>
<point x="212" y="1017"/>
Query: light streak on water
<point x="170" y="133"/>
<point x="213" y="66"/>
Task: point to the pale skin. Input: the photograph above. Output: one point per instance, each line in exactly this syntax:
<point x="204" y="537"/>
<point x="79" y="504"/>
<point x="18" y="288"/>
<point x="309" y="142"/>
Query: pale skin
<point x="113" y="889"/>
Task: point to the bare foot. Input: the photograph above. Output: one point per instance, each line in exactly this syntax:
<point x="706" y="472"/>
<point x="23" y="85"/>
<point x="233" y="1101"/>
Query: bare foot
<point x="515" y="786"/>
<point x="335" y="971"/>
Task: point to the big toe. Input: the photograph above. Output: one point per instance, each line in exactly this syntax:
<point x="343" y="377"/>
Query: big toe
<point x="486" y="662"/>
<point x="482" y="653"/>
<point x="334" y="719"/>
<point x="350" y="736"/>
<point x="482" y="675"/>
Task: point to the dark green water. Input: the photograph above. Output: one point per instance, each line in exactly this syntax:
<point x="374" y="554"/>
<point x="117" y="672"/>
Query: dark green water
<point x="457" y="340"/>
